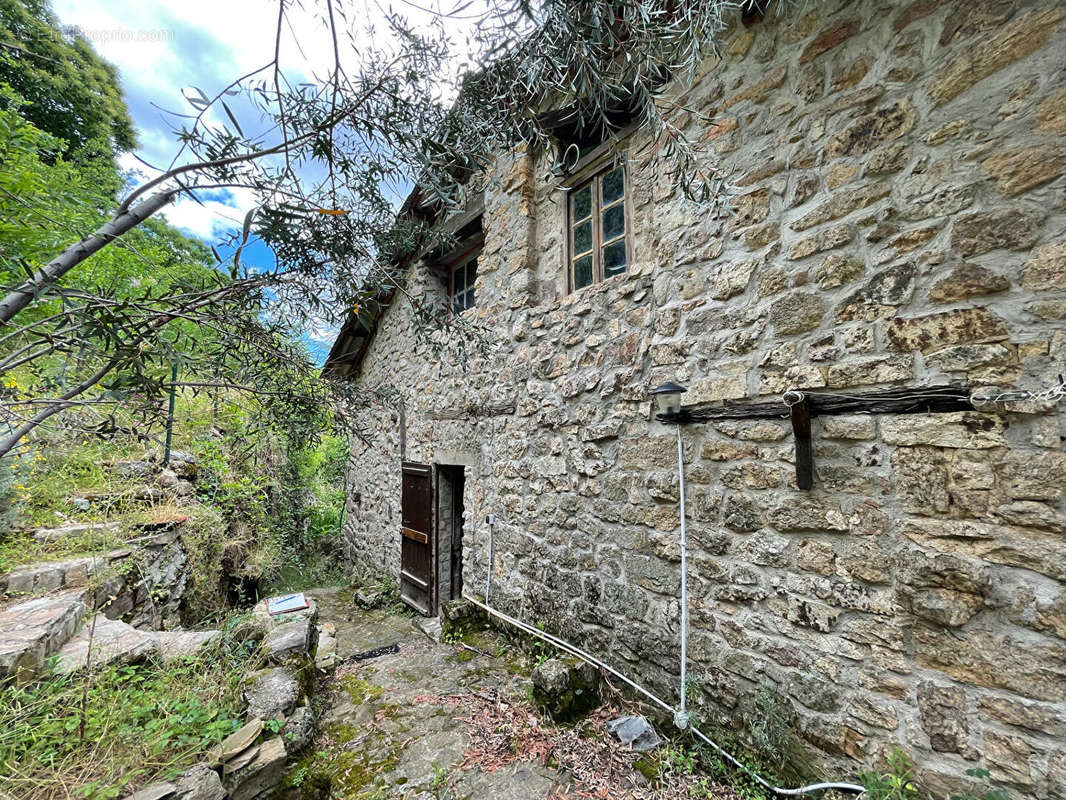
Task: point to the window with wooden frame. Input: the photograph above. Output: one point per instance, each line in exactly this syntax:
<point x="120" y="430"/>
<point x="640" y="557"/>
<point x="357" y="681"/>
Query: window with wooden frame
<point x="597" y="228"/>
<point x="462" y="275"/>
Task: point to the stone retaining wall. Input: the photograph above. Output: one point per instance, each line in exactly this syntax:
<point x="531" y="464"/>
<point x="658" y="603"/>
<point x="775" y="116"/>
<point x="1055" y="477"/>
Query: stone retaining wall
<point x="899" y="221"/>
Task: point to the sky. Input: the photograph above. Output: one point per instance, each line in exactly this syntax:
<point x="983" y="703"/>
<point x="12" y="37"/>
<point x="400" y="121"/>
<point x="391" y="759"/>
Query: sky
<point x="163" y="48"/>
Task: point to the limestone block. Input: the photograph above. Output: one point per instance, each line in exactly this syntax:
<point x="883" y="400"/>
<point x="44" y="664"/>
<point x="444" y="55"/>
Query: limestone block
<point x="828" y="239"/>
<point x="1018" y="170"/>
<point x="1000" y="544"/>
<point x="964" y="357"/>
<point x="809" y="613"/>
<point x="933" y="331"/>
<point x="871" y="131"/>
<point x="942" y="715"/>
<point x="1046" y="270"/>
<point x="1008" y="758"/>
<point x="1032" y="669"/>
<point x="871" y="371"/>
<point x="880" y="297"/>
<point x="1022" y="714"/>
<point x="1012" y="229"/>
<point x="797" y="312"/>
<point x="111" y="642"/>
<point x="1015" y="40"/>
<point x="808" y="514"/>
<point x="841" y="204"/>
<point x="299" y="730"/>
<point x="175" y="645"/>
<point x="838" y="269"/>
<point x="969" y="429"/>
<point x="32" y="631"/>
<point x="288" y="639"/>
<point x="965" y="281"/>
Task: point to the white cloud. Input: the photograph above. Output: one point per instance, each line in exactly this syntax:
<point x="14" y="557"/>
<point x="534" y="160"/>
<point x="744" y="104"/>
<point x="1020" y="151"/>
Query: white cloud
<point x="162" y="47"/>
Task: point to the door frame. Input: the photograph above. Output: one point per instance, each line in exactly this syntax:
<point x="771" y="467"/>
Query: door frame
<point x="455" y="474"/>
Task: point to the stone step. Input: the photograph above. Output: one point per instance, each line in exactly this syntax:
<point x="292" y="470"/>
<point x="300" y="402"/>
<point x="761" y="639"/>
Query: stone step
<point x="430" y="626"/>
<point x="111" y="642"/>
<point x="49" y="535"/>
<point x="33" y="630"/>
<point x="48" y="576"/>
<point x="174" y="645"/>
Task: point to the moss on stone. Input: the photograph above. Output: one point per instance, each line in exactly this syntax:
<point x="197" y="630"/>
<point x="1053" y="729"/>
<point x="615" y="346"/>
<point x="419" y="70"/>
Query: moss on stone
<point x="360" y="691"/>
<point x="342" y="771"/>
<point x="648" y="766"/>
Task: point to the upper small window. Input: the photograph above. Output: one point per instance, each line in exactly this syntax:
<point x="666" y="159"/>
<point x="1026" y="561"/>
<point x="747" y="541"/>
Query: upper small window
<point x="461" y="288"/>
<point x="597" y="235"/>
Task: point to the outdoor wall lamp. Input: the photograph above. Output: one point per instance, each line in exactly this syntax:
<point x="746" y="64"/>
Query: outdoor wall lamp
<point x="667" y="397"/>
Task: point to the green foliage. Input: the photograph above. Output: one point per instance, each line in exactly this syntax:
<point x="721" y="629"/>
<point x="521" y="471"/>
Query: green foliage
<point x="986" y="792"/>
<point x="898" y="783"/>
<point x="440" y="777"/>
<point x="74" y="94"/>
<point x="141" y="723"/>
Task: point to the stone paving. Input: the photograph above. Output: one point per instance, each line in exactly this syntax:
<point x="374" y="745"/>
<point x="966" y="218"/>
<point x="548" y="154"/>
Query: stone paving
<point x="384" y="734"/>
<point x="405" y="724"/>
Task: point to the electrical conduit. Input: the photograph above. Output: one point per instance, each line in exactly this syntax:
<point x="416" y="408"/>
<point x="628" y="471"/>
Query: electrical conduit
<point x="576" y="651"/>
<point x="681" y="717"/>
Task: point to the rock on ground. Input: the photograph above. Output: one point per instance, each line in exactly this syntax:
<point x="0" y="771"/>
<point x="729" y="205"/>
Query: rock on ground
<point x="175" y="645"/>
<point x="299" y="730"/>
<point x="289" y="639"/>
<point x="263" y="773"/>
<point x="566" y="688"/>
<point x="272" y="694"/>
<point x="198" y="782"/>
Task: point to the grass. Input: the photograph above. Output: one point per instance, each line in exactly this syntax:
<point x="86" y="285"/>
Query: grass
<point x="141" y="723"/>
<point x="20" y="547"/>
<point x="314" y="571"/>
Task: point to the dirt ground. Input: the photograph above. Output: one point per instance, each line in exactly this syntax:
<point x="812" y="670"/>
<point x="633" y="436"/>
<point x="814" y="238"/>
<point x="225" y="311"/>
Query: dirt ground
<point x="445" y="722"/>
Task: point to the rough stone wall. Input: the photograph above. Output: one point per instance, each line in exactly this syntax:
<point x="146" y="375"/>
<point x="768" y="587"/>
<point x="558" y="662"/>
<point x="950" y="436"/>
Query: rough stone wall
<point x="899" y="221"/>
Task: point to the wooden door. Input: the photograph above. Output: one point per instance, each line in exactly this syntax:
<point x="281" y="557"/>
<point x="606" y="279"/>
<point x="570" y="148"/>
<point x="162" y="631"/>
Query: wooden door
<point x="416" y="538"/>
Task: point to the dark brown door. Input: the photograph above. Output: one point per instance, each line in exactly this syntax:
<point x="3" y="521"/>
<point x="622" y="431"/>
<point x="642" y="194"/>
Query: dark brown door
<point x="416" y="538"/>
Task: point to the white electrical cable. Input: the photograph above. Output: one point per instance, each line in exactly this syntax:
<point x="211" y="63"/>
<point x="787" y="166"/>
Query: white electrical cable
<point x="488" y="576"/>
<point x="576" y="651"/>
<point x="681" y="718"/>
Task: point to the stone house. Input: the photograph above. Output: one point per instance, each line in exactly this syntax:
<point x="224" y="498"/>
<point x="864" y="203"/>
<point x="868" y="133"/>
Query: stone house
<point x="899" y="171"/>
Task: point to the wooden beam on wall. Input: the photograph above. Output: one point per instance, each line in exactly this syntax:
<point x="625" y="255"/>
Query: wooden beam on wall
<point x="800" y="412"/>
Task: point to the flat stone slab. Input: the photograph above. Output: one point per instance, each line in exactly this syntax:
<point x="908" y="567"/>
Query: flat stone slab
<point x="32" y="631"/>
<point x="198" y="782"/>
<point x="49" y="576"/>
<point x="112" y="642"/>
<point x="174" y="645"/>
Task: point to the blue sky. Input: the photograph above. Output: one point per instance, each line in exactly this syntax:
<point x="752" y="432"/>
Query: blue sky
<point x="162" y="47"/>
